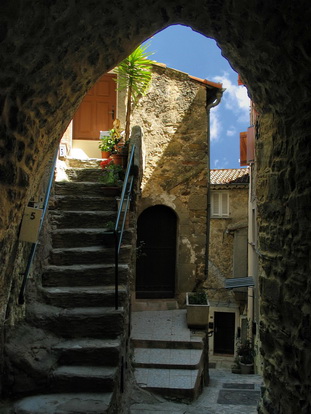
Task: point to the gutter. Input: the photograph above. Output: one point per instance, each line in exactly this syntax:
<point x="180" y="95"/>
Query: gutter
<point x="210" y="103"/>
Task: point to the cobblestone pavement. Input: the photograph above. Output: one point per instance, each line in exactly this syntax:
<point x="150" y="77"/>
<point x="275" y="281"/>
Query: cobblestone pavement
<point x="227" y="393"/>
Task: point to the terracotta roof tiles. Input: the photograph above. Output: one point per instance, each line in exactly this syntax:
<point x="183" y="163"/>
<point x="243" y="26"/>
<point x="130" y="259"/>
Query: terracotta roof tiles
<point x="229" y="176"/>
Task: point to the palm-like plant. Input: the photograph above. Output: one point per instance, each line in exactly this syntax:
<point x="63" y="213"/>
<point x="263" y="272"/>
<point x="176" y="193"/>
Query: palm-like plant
<point x="134" y="74"/>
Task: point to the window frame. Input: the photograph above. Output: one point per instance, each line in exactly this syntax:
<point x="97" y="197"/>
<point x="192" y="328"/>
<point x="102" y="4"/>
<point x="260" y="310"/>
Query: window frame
<point x="221" y="213"/>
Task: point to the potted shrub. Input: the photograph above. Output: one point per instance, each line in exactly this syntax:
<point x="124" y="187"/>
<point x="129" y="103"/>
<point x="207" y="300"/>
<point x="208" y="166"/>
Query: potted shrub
<point x="246" y="356"/>
<point x="197" y="309"/>
<point x="112" y="174"/>
<point x="108" y="140"/>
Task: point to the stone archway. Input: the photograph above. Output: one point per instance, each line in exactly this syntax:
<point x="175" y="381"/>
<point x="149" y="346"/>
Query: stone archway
<point x="52" y="52"/>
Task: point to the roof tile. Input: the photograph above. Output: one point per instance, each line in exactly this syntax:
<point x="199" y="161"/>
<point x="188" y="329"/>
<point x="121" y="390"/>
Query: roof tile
<point x="230" y="176"/>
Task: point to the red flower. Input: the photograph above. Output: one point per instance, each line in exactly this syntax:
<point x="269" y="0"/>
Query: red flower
<point x="105" y="163"/>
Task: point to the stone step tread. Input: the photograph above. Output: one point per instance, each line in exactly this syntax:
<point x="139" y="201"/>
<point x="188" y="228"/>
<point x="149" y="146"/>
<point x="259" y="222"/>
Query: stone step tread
<point x="81" y="267"/>
<point x="87" y="343"/>
<point x="195" y="343"/>
<point x="82" y="371"/>
<point x="165" y="379"/>
<point x="168" y="358"/>
<point x="103" y="213"/>
<point x="88" y="290"/>
<point x="43" y="310"/>
<point x="65" y="403"/>
<point x="88" y="249"/>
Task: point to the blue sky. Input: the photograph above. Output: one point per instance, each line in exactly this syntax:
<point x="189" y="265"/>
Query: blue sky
<point x="181" y="48"/>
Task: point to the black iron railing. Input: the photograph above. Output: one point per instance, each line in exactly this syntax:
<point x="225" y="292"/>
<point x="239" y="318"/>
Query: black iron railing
<point x="123" y="209"/>
<point x="21" y="298"/>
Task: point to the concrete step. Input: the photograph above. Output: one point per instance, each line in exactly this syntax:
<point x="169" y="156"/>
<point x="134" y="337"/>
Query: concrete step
<point x="83" y="275"/>
<point x="65" y="403"/>
<point x="86" y="237"/>
<point x="85" y="188"/>
<point x="76" y="378"/>
<point x="97" y="322"/>
<point x="87" y="255"/>
<point x="83" y="351"/>
<point x="81" y="219"/>
<point x="171" y="383"/>
<point x="83" y="203"/>
<point x="93" y="296"/>
<point x="186" y="359"/>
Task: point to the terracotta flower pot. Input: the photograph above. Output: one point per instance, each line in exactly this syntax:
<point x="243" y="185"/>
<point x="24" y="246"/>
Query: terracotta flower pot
<point x="105" y="154"/>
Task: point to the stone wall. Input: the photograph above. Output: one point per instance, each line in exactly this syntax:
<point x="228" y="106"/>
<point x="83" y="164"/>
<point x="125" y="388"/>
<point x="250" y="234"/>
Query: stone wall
<point x="52" y="52"/>
<point x="174" y="122"/>
<point x="221" y="246"/>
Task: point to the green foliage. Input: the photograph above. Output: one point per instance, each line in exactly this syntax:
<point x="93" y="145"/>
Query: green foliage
<point x="134" y="75"/>
<point x="108" y="142"/>
<point x="197" y="298"/>
<point x="246" y="352"/>
<point x="112" y="175"/>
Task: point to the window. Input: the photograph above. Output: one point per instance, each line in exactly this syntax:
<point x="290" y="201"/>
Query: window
<point x="220" y="204"/>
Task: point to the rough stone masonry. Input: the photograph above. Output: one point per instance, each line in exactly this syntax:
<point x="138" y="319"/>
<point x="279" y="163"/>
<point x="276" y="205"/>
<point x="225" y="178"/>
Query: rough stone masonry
<point x="53" y="51"/>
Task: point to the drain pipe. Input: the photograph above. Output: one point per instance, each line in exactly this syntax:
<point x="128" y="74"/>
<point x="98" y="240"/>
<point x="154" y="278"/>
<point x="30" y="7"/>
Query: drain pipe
<point x="211" y="102"/>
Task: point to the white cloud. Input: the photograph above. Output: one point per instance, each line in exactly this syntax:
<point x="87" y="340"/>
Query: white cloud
<point x="235" y="97"/>
<point x="215" y="124"/>
<point x="231" y="131"/>
<point x="219" y="164"/>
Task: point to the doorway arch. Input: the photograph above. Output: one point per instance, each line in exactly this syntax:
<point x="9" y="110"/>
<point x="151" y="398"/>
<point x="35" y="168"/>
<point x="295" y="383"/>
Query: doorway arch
<point x="156" y="258"/>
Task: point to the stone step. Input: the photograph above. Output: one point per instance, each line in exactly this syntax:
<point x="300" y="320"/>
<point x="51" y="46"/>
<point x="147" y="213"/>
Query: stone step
<point x="93" y="296"/>
<point x="97" y="322"/>
<point x="83" y="203"/>
<point x="85" y="188"/>
<point x="77" y="378"/>
<point x="171" y="383"/>
<point x="69" y="403"/>
<point x="86" y="237"/>
<point x="87" y="255"/>
<point x="83" y="275"/>
<point x="84" y="174"/>
<point x="88" y="351"/>
<point x="195" y="343"/>
<point x="168" y="358"/>
<point x="81" y="219"/>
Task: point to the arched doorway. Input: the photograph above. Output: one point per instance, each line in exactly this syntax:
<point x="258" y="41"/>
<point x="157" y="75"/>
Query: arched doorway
<point x="156" y="258"/>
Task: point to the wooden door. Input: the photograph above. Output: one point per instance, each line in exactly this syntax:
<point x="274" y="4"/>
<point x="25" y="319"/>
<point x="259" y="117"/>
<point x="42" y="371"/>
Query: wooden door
<point x="156" y="261"/>
<point x="97" y="110"/>
<point x="224" y="328"/>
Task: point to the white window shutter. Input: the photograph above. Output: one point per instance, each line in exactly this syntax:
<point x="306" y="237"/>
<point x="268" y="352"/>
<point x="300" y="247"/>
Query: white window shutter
<point x="215" y="205"/>
<point x="225" y="205"/>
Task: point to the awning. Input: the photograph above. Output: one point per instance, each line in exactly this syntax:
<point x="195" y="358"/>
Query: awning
<point x="239" y="282"/>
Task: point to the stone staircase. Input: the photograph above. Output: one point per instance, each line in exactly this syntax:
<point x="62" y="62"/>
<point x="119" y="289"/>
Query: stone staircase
<point x="83" y="337"/>
<point x="169" y="359"/>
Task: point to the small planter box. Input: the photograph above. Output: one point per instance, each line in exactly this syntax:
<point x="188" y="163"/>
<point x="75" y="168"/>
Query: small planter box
<point x="197" y="314"/>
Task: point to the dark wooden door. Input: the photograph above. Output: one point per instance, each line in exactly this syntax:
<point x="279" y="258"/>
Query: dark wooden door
<point x="224" y="329"/>
<point x="97" y="110"/>
<point x="156" y="259"/>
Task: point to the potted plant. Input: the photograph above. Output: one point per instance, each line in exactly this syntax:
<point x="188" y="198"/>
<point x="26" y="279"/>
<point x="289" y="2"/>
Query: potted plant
<point x="197" y="309"/>
<point x="246" y="356"/>
<point x="112" y="174"/>
<point x="134" y="76"/>
<point x="107" y="143"/>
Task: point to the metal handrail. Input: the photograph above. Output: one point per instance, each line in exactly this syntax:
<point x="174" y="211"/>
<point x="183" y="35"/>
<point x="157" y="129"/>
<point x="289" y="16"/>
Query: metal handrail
<point x="21" y="297"/>
<point x="124" y="205"/>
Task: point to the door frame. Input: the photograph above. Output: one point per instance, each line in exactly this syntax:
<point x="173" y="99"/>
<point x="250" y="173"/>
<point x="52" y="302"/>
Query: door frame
<point x="220" y="307"/>
<point x="176" y="249"/>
